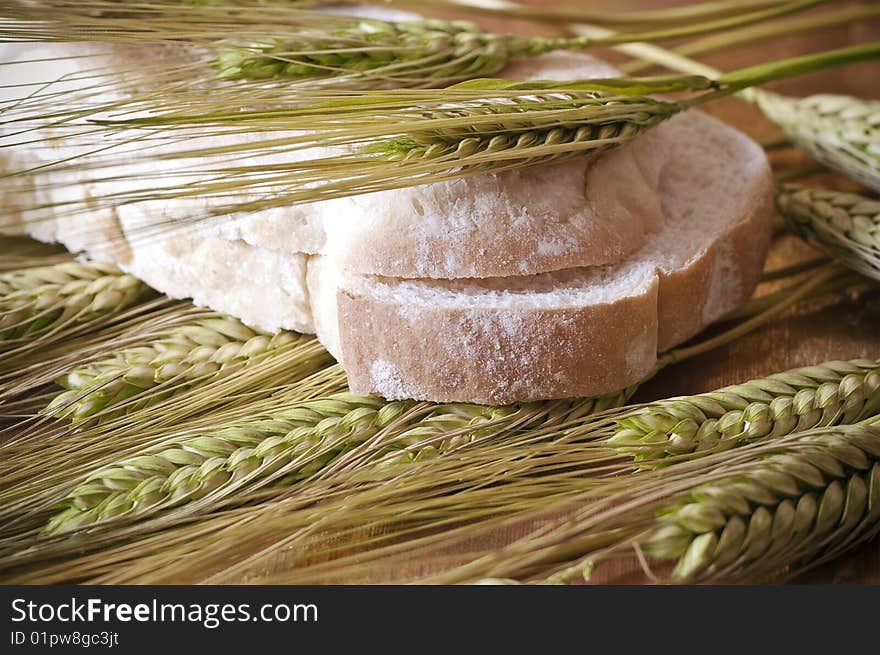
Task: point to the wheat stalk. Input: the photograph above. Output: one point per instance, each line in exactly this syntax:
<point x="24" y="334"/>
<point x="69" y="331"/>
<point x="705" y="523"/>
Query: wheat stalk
<point x="576" y="412"/>
<point x="531" y="454"/>
<point x="677" y="14"/>
<point x="195" y="354"/>
<point x="42" y="466"/>
<point x="779" y="506"/>
<point x="666" y="514"/>
<point x="404" y="138"/>
<point x="596" y="123"/>
<point x="290" y="446"/>
<point x="810" y="498"/>
<point x="843" y="225"/>
<point x="168" y="21"/>
<point x="252" y="453"/>
<point x="36" y="368"/>
<point x="840" y="131"/>
<point x="800" y="399"/>
<point x="545" y="465"/>
<point x="575" y="529"/>
<point x="373" y="53"/>
<point x="330" y="50"/>
<point x="37" y="302"/>
<point x="428" y="52"/>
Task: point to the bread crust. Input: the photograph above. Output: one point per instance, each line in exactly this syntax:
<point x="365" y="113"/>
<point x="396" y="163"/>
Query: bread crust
<point x="689" y="298"/>
<point x="494" y="356"/>
<point x="445" y="354"/>
<point x="514" y="224"/>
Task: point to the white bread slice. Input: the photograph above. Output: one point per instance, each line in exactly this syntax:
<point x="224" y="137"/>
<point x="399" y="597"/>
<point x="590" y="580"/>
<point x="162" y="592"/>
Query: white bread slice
<point x="494" y="340"/>
<point x="578" y="332"/>
<point x="515" y="223"/>
<point x="689" y="202"/>
<point x="575" y="332"/>
<point x="267" y="290"/>
<point x="518" y="222"/>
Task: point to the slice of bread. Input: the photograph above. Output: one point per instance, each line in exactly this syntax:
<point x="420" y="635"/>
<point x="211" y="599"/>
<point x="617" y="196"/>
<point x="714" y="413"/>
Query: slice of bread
<point x="547" y="282"/>
<point x="576" y="332"/>
<point x="519" y="222"/>
<point x="579" y="332"/>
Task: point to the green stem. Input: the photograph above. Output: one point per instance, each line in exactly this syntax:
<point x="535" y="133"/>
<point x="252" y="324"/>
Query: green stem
<point x="763" y="73"/>
<point x="708" y="26"/>
<point x="808" y="23"/>
<point x="506" y="9"/>
<point x="793" y="269"/>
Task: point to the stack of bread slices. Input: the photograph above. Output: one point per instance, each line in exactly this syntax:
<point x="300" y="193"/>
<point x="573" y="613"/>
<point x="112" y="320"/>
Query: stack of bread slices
<point x="557" y="280"/>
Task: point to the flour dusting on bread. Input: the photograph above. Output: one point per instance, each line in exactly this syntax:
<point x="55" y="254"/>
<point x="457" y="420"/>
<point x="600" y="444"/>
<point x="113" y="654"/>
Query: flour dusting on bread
<point x="551" y="281"/>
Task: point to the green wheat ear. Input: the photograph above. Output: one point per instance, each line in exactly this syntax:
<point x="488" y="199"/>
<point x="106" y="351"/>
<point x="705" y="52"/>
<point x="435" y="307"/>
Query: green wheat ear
<point x="36" y="301"/>
<point x="833" y="393"/>
<point x="844" y="225"/>
<point x="840" y="131"/>
<point x="188" y="356"/>
<point x="290" y="446"/>
<point x="812" y="501"/>
<point x="776" y="506"/>
<point x="491" y="135"/>
<point x="385" y="54"/>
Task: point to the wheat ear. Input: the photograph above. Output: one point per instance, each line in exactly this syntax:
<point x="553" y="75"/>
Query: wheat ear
<point x="575" y="530"/>
<point x="290" y="446"/>
<point x="425" y="53"/>
<point x="814" y="497"/>
<point x="374" y="53"/>
<point x="557" y="463"/>
<point x="188" y="356"/>
<point x="844" y="225"/>
<point x="255" y="453"/>
<point x="39" y="301"/>
<point x="832" y="393"/>
<point x="403" y="138"/>
<point x="779" y="506"/>
<point x="840" y="131"/>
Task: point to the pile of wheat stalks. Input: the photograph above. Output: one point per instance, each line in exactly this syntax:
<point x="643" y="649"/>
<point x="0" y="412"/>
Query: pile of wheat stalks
<point x="146" y="440"/>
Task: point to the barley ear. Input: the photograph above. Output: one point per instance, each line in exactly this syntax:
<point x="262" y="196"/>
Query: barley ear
<point x="818" y="495"/>
<point x="188" y="356"/>
<point x="839" y="131"/>
<point x="282" y="449"/>
<point x="35" y="302"/>
<point x="846" y="226"/>
<point x="832" y="393"/>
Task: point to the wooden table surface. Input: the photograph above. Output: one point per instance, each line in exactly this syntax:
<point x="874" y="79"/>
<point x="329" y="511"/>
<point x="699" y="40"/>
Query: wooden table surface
<point x="844" y="330"/>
